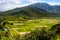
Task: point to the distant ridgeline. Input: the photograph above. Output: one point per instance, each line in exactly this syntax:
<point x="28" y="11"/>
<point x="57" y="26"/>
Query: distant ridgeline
<point x="33" y="11"/>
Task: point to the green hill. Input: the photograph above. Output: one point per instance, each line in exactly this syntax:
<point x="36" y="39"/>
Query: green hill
<point x="26" y="13"/>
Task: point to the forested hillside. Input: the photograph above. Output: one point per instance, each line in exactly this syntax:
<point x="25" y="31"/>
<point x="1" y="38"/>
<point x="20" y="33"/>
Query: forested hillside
<point x="26" y="13"/>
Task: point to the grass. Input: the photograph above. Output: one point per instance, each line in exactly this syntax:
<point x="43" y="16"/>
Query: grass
<point x="30" y="25"/>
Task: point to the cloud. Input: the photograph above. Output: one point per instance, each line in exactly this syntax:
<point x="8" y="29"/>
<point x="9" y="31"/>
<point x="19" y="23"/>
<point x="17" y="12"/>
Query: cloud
<point x="10" y="4"/>
<point x="10" y="1"/>
<point x="32" y="1"/>
<point x="54" y="3"/>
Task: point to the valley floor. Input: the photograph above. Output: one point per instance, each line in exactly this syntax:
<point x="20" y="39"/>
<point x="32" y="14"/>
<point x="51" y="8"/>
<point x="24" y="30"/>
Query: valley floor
<point x="26" y="27"/>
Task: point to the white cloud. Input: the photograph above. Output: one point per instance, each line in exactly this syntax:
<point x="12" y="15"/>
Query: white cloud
<point x="35" y="1"/>
<point x="32" y="1"/>
<point x="53" y="3"/>
<point x="14" y="1"/>
<point x="10" y="1"/>
<point x="10" y="4"/>
<point x="1" y="1"/>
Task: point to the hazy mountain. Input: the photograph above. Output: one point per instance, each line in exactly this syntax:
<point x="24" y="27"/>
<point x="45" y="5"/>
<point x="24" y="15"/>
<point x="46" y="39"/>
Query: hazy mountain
<point x="33" y="11"/>
<point x="47" y="7"/>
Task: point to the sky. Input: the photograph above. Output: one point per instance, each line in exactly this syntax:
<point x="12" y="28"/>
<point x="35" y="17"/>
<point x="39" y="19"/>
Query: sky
<point x="10" y="4"/>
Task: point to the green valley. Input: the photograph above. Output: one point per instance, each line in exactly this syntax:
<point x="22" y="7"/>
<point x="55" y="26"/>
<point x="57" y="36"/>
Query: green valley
<point x="29" y="23"/>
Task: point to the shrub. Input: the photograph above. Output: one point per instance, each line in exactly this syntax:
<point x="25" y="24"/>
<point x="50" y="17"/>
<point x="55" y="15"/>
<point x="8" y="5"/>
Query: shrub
<point x="56" y="28"/>
<point x="41" y="34"/>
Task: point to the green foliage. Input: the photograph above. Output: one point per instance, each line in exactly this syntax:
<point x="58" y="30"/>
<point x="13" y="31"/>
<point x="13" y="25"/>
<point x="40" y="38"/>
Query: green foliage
<point x="41" y="34"/>
<point x="26" y="13"/>
<point x="56" y="28"/>
<point x="5" y="32"/>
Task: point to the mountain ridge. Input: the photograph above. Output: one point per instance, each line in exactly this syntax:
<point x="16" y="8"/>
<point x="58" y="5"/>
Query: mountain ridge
<point x="28" y="12"/>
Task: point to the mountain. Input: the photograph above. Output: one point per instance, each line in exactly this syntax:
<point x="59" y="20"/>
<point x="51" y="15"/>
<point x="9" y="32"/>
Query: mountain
<point x="47" y="7"/>
<point x="33" y="11"/>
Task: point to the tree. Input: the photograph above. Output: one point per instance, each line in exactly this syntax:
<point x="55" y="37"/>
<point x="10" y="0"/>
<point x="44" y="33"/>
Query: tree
<point x="4" y="31"/>
<point x="41" y="34"/>
<point x="56" y="28"/>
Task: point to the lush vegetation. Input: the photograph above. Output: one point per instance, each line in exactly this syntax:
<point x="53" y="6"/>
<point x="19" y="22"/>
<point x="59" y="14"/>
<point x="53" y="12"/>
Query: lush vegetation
<point x="29" y="23"/>
<point x="26" y="13"/>
<point x="49" y="32"/>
